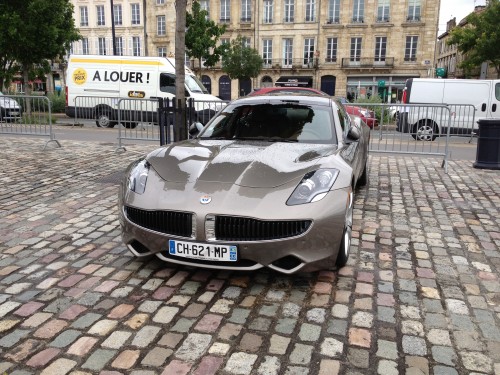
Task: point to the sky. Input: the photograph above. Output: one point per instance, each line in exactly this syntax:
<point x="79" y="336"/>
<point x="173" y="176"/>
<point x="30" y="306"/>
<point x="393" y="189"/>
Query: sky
<point x="456" y="8"/>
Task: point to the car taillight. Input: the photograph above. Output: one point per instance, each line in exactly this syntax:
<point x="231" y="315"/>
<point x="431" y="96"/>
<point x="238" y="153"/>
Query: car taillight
<point x="403" y="99"/>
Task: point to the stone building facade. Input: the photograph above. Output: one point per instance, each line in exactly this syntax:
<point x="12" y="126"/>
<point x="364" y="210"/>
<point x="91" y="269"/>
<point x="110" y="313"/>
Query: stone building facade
<point x="343" y="47"/>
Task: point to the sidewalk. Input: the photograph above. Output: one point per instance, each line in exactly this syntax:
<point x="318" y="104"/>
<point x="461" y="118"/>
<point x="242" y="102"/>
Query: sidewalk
<point x="420" y="295"/>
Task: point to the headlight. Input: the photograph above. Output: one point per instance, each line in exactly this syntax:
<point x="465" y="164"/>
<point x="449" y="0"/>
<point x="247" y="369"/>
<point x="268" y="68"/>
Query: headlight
<point x="138" y="177"/>
<point x="313" y="187"/>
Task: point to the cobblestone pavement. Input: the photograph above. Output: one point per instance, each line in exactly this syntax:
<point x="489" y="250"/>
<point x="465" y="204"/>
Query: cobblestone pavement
<point x="420" y="295"/>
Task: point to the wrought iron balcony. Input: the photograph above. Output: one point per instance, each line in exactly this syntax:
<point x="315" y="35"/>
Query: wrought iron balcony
<point x="367" y="63"/>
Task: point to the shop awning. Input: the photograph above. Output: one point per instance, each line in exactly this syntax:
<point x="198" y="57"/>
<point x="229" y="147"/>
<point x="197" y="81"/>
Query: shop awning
<point x="294" y="81"/>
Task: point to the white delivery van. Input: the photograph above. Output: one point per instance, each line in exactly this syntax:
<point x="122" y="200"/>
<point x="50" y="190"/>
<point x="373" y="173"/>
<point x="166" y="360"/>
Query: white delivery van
<point x="469" y="100"/>
<point x="95" y="84"/>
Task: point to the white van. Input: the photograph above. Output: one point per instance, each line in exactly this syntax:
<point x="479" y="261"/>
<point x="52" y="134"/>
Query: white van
<point x="469" y="100"/>
<point x="95" y="84"/>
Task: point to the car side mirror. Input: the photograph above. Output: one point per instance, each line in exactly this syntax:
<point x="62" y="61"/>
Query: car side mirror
<point x="353" y="134"/>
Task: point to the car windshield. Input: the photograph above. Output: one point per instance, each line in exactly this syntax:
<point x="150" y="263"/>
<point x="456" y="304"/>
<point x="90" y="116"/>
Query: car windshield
<point x="284" y="122"/>
<point x="194" y="84"/>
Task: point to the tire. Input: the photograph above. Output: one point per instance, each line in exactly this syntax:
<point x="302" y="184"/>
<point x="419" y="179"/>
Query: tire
<point x="425" y="130"/>
<point x="345" y="244"/>
<point x="103" y="118"/>
<point x="363" y="179"/>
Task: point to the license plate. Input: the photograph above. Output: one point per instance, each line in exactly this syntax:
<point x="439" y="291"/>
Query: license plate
<point x="194" y="250"/>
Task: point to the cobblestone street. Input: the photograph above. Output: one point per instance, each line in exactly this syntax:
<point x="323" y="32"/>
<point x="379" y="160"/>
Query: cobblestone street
<point x="420" y="294"/>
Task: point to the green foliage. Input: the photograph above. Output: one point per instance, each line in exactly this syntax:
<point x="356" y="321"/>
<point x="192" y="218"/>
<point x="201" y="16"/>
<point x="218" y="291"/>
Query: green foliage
<point x="202" y="35"/>
<point x="240" y="61"/>
<point x="378" y="109"/>
<point x="58" y="103"/>
<point x="480" y="38"/>
<point x="32" y="32"/>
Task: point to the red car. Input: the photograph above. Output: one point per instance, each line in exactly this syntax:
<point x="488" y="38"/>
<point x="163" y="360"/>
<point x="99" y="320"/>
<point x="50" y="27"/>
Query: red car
<point x="367" y="115"/>
<point x="284" y="90"/>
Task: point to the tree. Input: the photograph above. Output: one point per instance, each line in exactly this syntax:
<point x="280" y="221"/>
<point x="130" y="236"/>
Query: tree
<point x="202" y="35"/>
<point x="479" y="40"/>
<point x="33" y="32"/>
<point x="180" y="131"/>
<point x="241" y="61"/>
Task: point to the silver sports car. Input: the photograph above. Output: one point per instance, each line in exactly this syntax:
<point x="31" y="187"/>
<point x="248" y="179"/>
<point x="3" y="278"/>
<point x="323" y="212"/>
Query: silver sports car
<point x="269" y="182"/>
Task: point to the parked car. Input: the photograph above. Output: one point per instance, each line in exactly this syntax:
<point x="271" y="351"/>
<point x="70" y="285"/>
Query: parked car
<point x="287" y="90"/>
<point x="10" y="110"/>
<point x="366" y="114"/>
<point x="269" y="182"/>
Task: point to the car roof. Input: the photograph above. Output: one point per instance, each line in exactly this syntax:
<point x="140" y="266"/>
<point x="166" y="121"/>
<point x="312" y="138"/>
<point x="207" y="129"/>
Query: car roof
<point x="285" y="89"/>
<point x="277" y="98"/>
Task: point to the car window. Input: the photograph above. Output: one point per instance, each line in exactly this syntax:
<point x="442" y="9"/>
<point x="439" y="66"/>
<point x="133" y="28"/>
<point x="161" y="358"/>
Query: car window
<point x="497" y="91"/>
<point x="167" y="83"/>
<point x="345" y="119"/>
<point x="278" y="122"/>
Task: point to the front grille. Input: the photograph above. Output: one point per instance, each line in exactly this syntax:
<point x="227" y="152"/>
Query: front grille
<point x="168" y="222"/>
<point x="228" y="228"/>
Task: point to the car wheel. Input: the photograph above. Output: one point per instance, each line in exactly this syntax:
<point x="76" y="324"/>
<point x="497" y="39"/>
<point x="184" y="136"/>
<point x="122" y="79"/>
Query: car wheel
<point x="345" y="244"/>
<point x="425" y="131"/>
<point x="363" y="179"/>
<point x="103" y="118"/>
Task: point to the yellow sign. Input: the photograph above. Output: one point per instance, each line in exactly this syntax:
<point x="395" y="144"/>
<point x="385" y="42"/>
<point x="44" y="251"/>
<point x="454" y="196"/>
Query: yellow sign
<point x="80" y="76"/>
<point x="136" y="94"/>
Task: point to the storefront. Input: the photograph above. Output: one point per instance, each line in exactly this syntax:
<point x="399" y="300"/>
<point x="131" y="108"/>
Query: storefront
<point x="389" y="88"/>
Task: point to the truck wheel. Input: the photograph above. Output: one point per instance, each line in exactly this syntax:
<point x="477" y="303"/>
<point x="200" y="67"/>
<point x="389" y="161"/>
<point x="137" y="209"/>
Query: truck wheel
<point x="425" y="130"/>
<point x="103" y="118"/>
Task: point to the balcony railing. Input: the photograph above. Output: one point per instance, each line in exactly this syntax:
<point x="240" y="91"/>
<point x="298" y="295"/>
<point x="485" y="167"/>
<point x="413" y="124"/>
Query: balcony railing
<point x="368" y="63"/>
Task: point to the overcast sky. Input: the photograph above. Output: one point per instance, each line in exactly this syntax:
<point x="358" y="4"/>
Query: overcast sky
<point x="455" y="8"/>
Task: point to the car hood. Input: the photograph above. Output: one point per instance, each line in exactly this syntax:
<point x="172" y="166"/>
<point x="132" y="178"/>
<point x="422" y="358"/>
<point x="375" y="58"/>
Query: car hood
<point x="7" y="102"/>
<point x="242" y="163"/>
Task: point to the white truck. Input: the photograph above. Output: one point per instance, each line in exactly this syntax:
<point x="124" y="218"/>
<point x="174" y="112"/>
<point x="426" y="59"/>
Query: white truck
<point x="423" y="115"/>
<point x="95" y="86"/>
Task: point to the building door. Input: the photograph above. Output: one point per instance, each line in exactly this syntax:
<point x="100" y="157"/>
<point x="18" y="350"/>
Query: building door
<point x="245" y="86"/>
<point x="207" y="82"/>
<point x="225" y="88"/>
<point x="328" y="84"/>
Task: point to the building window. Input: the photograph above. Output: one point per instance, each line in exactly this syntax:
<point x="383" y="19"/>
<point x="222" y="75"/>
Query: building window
<point x="225" y="10"/>
<point x="267" y="52"/>
<point x="289" y="10"/>
<point x="310" y="10"/>
<point x="119" y="45"/>
<point x="383" y="10"/>
<point x="117" y="14"/>
<point x="162" y="51"/>
<point x="100" y="15"/>
<point x="246" y="10"/>
<point x="355" y="49"/>
<point x="331" y="50"/>
<point x="85" y="46"/>
<point x="287" y="52"/>
<point x="333" y="11"/>
<point x="101" y="46"/>
<point x="136" y="14"/>
<point x="161" y="26"/>
<point x="358" y="11"/>
<point x="225" y="41"/>
<point x="411" y="48"/>
<point x="308" y="51"/>
<point x="84" y="16"/>
<point x="136" y="46"/>
<point x="380" y="48"/>
<point x="268" y="11"/>
<point x="205" y="5"/>
<point x="413" y="10"/>
<point x="160" y="2"/>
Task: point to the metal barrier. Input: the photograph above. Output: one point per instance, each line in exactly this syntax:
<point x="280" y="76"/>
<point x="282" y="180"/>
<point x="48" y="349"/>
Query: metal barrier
<point x="27" y="115"/>
<point x="102" y="109"/>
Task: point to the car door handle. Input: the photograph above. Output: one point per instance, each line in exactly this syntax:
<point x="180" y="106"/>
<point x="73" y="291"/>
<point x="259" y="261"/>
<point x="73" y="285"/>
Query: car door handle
<point x="494" y="108"/>
<point x="483" y="107"/>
